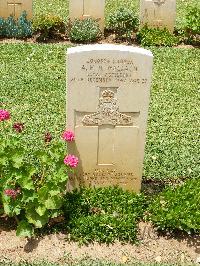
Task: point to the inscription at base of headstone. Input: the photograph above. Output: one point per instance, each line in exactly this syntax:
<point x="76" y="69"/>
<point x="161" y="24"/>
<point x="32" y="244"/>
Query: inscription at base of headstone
<point x="158" y="13"/>
<point x="108" y="90"/>
<point x="87" y="9"/>
<point x="15" y="8"/>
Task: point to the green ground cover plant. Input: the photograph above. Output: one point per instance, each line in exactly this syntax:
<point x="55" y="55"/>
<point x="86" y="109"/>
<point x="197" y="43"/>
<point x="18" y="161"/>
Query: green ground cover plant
<point x="32" y="85"/>
<point x="103" y="214"/>
<point x="177" y="208"/>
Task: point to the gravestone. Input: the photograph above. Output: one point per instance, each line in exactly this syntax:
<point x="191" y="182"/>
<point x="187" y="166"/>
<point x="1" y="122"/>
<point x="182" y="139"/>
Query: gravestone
<point x="108" y="88"/>
<point x="15" y="8"/>
<point x="158" y="13"/>
<point x="87" y="9"/>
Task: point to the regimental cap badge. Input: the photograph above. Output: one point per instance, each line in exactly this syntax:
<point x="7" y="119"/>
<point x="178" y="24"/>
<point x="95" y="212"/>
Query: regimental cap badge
<point x="159" y="2"/>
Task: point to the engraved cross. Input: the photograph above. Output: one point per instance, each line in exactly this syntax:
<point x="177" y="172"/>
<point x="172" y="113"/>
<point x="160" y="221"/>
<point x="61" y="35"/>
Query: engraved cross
<point x="14" y="5"/>
<point x="86" y="4"/>
<point x="107" y="118"/>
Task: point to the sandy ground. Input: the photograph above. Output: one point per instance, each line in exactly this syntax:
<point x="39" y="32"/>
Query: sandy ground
<point x="55" y="248"/>
<point x="109" y="39"/>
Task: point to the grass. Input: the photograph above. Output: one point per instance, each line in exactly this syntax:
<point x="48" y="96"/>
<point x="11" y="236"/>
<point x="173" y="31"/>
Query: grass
<point x="32" y="87"/>
<point x="61" y="7"/>
<point x="172" y="137"/>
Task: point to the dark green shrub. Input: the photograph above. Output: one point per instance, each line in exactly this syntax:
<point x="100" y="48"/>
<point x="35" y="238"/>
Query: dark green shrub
<point x="12" y="28"/>
<point x="84" y="30"/>
<point x="48" y="26"/>
<point x="177" y="208"/>
<point x="103" y="214"/>
<point x="192" y="25"/>
<point x="24" y="26"/>
<point x="193" y="20"/>
<point x="156" y="37"/>
<point x="123" y="23"/>
<point x="2" y="28"/>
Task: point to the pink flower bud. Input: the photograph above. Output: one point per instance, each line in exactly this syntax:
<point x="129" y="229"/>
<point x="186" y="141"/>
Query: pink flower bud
<point x="71" y="161"/>
<point x="4" y="115"/>
<point x="48" y="137"/>
<point x="68" y="136"/>
<point x="18" y="127"/>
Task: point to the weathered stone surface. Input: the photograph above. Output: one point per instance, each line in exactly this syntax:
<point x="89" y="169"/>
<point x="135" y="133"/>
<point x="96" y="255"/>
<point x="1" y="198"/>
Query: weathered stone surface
<point x="86" y="9"/>
<point x="108" y="92"/>
<point x="15" y="8"/>
<point x="158" y="13"/>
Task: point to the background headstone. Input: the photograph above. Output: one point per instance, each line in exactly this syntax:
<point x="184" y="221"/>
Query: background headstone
<point x="87" y="9"/>
<point x="158" y="13"/>
<point x="15" y="8"/>
<point x="107" y="106"/>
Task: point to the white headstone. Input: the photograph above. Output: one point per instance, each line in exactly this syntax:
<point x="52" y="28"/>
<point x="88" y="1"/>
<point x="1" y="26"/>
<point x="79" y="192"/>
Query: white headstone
<point x="86" y="9"/>
<point x="15" y="8"/>
<point x="158" y="13"/>
<point x="108" y="90"/>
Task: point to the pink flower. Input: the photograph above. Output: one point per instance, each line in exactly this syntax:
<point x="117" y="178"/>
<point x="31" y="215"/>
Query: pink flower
<point x="71" y="160"/>
<point x="68" y="136"/>
<point x="18" y="127"/>
<point x="4" y="115"/>
<point x="11" y="193"/>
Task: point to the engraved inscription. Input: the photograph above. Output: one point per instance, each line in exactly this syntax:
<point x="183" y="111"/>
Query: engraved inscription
<point x="107" y="112"/>
<point x="107" y="173"/>
<point x="107" y="176"/>
<point x="104" y="70"/>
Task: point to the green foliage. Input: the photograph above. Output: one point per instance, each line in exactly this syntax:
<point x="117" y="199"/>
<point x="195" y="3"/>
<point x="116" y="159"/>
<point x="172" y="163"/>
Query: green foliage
<point x="103" y="214"/>
<point x="191" y="31"/>
<point x="177" y="208"/>
<point x="123" y="22"/>
<point x="11" y="28"/>
<point x="156" y="37"/>
<point x="193" y="20"/>
<point x="48" y="26"/>
<point x="30" y="188"/>
<point x="84" y="30"/>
